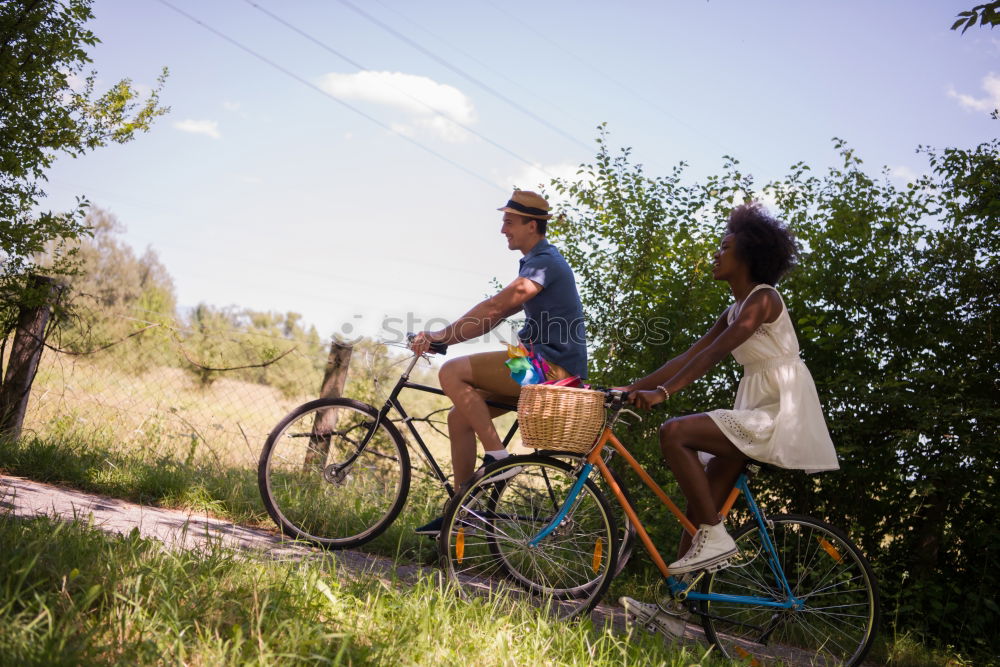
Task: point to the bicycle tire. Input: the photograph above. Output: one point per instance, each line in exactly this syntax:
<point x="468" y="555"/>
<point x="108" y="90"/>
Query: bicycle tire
<point x="626" y="531"/>
<point x="487" y="525"/>
<point x="313" y="500"/>
<point x="839" y="619"/>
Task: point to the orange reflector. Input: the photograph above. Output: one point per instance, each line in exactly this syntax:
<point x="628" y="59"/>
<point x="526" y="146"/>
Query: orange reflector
<point x="598" y="552"/>
<point x="830" y="549"/>
<point x="460" y="545"/>
<point x="744" y="655"/>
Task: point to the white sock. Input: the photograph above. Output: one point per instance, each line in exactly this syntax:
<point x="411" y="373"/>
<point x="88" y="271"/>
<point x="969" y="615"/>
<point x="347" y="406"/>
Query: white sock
<point x="498" y="454"/>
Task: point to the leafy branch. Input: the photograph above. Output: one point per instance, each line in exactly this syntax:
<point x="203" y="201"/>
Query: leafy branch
<point x="986" y="14"/>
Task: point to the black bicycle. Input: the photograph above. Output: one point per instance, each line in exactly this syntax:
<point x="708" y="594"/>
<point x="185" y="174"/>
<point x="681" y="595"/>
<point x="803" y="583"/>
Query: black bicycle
<point x="336" y="471"/>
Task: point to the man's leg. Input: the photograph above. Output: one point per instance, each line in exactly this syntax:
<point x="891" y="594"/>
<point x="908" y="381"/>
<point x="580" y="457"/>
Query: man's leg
<point x="463" y="444"/>
<point x="461" y="379"/>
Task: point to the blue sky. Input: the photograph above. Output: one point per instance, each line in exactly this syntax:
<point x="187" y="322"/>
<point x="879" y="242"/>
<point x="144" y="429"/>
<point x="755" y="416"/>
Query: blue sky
<point x="261" y="190"/>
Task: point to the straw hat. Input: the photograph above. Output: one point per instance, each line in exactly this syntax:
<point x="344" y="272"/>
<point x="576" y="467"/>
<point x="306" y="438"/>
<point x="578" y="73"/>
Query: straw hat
<point x="528" y="204"/>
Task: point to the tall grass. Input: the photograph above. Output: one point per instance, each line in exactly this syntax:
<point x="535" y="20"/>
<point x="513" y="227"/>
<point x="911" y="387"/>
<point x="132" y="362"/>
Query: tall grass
<point x="71" y="595"/>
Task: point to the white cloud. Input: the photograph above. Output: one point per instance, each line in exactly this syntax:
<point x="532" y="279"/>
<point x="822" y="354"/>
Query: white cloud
<point x="537" y="175"/>
<point x="418" y="96"/>
<point x="402" y="128"/>
<point x="209" y="128"/>
<point x="991" y="85"/>
<point x="903" y="173"/>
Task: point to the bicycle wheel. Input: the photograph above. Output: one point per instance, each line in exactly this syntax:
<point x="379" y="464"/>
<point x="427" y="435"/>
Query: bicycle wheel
<point x="488" y="524"/>
<point x="626" y="531"/>
<point x="314" y="490"/>
<point x="837" y="620"/>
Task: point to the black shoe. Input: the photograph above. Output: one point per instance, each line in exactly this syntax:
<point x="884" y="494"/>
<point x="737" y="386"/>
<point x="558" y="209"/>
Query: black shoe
<point x="431" y="528"/>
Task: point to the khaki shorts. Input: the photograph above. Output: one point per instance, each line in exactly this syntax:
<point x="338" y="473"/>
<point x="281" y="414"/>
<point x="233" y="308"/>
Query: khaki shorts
<point x="491" y="377"/>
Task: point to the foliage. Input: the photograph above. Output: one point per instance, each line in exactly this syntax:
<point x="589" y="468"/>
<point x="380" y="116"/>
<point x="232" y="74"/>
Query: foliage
<point x="49" y="107"/>
<point x="243" y="344"/>
<point x="895" y="307"/>
<point x="113" y="293"/>
<point x="986" y="14"/>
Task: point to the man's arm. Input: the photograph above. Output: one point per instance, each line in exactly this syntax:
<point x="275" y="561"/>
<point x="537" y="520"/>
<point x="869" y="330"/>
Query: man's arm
<point x="482" y="317"/>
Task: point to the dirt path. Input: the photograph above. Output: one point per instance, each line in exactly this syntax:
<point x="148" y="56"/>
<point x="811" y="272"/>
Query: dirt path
<point x="176" y="528"/>
<point x="188" y="530"/>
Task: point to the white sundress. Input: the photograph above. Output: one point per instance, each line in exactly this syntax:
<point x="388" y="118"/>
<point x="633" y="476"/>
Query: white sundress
<point x="777" y="417"/>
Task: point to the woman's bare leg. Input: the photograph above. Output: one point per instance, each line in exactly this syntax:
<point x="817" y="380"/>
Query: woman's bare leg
<point x="722" y="475"/>
<point x="680" y="441"/>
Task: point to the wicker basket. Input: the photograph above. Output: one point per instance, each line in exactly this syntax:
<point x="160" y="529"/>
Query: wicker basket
<point x="561" y="418"/>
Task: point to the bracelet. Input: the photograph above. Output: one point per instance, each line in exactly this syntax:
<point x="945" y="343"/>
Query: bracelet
<point x="666" y="394"/>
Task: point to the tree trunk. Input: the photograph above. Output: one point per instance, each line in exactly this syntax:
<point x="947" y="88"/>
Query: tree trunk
<point x="29" y="340"/>
<point x="337" y="365"/>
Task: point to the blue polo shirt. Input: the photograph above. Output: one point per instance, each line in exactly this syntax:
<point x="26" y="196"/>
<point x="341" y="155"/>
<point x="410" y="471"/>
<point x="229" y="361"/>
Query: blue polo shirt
<point x="554" y="324"/>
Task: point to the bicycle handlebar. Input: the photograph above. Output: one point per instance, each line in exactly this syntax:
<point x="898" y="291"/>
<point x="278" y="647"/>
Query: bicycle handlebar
<point x="613" y="398"/>
<point x="436" y="348"/>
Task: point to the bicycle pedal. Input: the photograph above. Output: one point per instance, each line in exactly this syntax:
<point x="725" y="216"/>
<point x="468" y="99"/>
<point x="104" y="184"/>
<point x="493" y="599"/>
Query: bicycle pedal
<point x="715" y="567"/>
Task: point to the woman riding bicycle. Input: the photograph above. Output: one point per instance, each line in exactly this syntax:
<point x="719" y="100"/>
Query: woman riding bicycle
<point x="777" y="417"/>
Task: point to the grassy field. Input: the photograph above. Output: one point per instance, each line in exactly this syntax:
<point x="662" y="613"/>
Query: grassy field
<point x="72" y="595"/>
<point x="162" y="410"/>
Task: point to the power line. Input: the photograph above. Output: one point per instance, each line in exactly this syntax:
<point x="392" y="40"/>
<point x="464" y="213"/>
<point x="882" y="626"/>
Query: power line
<point x="339" y="101"/>
<point x="354" y="63"/>
<point x="430" y="54"/>
<point x="548" y="40"/>
<point x="541" y="98"/>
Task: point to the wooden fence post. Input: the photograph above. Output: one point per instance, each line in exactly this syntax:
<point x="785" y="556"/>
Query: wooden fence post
<point x="25" y="352"/>
<point x="337" y="365"/>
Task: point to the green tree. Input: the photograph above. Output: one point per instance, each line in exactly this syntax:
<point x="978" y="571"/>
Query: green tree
<point x="273" y="349"/>
<point x="49" y="107"/>
<point x="113" y="291"/>
<point x="894" y="303"/>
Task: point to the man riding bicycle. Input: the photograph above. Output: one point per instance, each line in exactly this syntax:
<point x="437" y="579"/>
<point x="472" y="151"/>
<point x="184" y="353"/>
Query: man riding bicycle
<point x="553" y="339"/>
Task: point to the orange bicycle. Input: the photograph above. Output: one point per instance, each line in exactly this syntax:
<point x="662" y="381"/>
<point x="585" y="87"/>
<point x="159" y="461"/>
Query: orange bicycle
<point x="797" y="590"/>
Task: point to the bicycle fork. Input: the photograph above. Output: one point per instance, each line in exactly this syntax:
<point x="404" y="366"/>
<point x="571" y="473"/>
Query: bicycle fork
<point x="567" y="506"/>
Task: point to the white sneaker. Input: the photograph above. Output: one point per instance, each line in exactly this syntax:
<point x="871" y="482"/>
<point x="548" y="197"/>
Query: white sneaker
<point x="653" y="618"/>
<point x="711" y="548"/>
